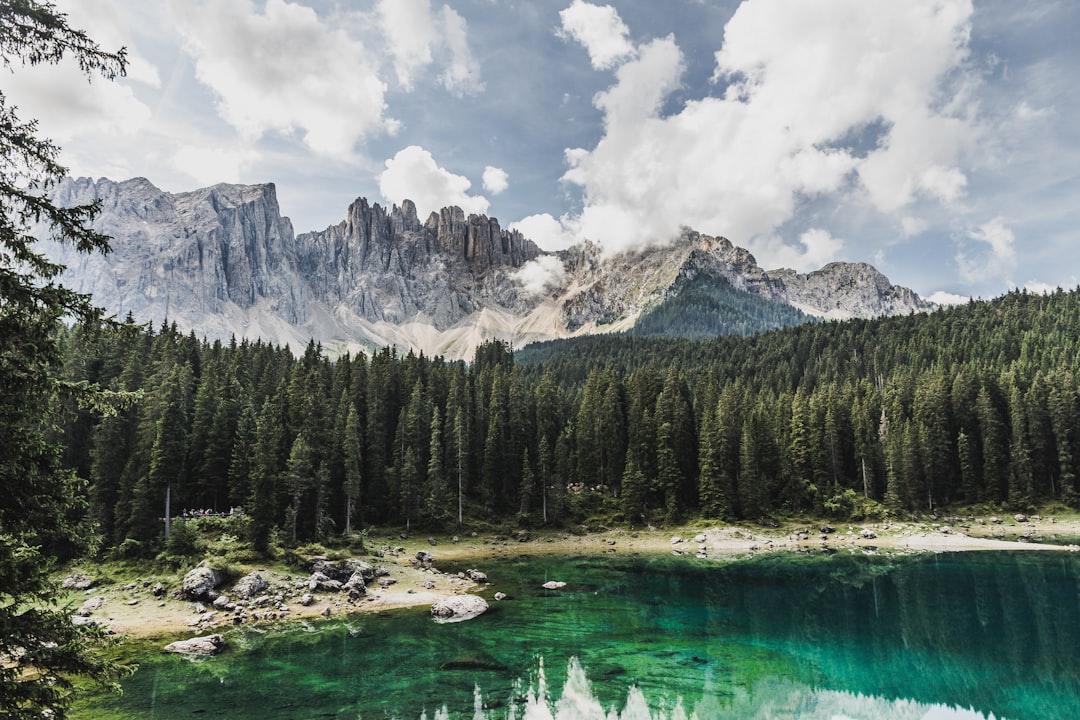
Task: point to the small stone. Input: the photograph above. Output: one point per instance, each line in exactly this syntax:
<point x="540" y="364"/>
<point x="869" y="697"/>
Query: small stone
<point x="553" y="585"/>
<point x="500" y="596"/>
<point x="327" y="611"/>
<point x="133" y="601"/>
<point x="676" y="540"/>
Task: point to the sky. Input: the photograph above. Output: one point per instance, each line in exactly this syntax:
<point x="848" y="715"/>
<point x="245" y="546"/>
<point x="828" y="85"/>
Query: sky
<point x="938" y="140"/>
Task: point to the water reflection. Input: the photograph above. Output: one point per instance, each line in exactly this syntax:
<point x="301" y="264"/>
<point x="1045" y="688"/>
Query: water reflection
<point x="768" y="700"/>
<point x="960" y="635"/>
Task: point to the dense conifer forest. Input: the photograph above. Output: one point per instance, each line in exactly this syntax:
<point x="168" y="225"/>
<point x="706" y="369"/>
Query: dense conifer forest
<point x="970" y="404"/>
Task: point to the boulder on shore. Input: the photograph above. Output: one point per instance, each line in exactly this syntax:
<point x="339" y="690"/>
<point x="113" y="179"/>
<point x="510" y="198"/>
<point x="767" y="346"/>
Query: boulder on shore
<point x="206" y="645"/>
<point x="458" y="608"/>
<point x="198" y="583"/>
<point x="250" y="586"/>
<point x="90" y="605"/>
<point x="476" y="576"/>
<point x="77" y="581"/>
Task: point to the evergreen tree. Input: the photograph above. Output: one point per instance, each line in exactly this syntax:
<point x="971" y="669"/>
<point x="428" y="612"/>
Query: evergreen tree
<point x="299" y="477"/>
<point x="354" y="463"/>
<point x="42" y="650"/>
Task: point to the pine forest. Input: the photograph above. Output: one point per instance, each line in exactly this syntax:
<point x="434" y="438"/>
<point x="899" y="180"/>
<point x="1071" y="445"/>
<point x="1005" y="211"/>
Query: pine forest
<point x="974" y="404"/>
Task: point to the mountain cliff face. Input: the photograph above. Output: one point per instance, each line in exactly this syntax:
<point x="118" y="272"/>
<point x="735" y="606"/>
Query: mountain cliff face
<point x="223" y="261"/>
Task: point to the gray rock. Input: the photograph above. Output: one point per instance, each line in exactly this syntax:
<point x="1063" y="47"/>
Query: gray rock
<point x="90" y="605"/>
<point x="198" y="583"/>
<point x="221" y="602"/>
<point x="157" y="590"/>
<point x="553" y="585"/>
<point x="355" y="586"/>
<point x="250" y="586"/>
<point x="476" y="576"/>
<point x="458" y="608"/>
<point x="320" y="582"/>
<point x="77" y="581"/>
<point x="868" y="535"/>
<point x="206" y="645"/>
<point x="306" y="599"/>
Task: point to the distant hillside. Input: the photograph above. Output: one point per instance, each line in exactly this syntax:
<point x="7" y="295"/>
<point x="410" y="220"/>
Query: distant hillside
<point x="708" y="306"/>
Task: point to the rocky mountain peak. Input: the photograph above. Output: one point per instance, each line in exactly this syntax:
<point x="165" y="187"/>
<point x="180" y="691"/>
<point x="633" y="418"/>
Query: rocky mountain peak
<point x="224" y="261"/>
<point x="842" y="290"/>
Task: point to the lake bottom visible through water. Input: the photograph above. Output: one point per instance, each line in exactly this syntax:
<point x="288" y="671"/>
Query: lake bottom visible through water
<point x="785" y="635"/>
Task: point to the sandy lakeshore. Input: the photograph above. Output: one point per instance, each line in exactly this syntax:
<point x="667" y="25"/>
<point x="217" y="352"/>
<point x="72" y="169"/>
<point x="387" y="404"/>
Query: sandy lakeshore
<point x="130" y="608"/>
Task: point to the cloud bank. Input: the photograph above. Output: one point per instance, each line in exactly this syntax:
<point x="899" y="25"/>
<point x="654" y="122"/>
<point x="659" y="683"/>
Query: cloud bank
<point x="286" y="70"/>
<point x="866" y="104"/>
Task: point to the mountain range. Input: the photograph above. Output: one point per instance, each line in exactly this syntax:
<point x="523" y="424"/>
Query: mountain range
<point x="223" y="261"/>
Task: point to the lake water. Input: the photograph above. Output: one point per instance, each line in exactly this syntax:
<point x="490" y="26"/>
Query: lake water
<point x="846" y="636"/>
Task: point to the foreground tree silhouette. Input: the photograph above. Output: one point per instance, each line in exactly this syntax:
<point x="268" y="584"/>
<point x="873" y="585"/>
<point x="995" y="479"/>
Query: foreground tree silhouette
<point x="41" y="503"/>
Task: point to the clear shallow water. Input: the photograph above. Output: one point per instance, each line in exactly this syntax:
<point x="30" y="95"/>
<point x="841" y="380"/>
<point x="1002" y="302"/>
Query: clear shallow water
<point x="959" y="635"/>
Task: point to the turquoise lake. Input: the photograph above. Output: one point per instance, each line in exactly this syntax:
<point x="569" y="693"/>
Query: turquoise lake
<point x="787" y="635"/>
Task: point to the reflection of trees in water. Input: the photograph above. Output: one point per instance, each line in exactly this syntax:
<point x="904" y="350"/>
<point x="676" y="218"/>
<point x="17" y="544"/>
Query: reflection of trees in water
<point x="997" y="631"/>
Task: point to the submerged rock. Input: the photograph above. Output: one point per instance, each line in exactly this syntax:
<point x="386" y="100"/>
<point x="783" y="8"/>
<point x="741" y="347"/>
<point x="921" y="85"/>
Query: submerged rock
<point x="207" y="645"/>
<point x="458" y="608"/>
<point x="474" y="661"/>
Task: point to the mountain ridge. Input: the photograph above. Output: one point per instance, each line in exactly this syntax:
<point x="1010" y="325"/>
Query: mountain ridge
<point x="223" y="261"/>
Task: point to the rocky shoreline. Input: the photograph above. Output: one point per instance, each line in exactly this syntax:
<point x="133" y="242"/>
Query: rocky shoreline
<point x="406" y="575"/>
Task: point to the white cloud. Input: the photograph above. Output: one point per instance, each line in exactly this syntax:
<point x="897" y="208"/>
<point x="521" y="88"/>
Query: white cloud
<point x="541" y="275"/>
<point x="943" y="297"/>
<point x="912" y="226"/>
<point x="1000" y="239"/>
<point x="600" y="30"/>
<point x="462" y="73"/>
<point x="994" y="260"/>
<point x="819" y="248"/>
<point x="413" y="174"/>
<point x="107" y="22"/>
<point x="1040" y="288"/>
<point x="418" y="38"/>
<point x="285" y="70"/>
<point x="69" y="107"/>
<point x="862" y="102"/>
<point x="545" y="231"/>
<point x="212" y="165"/>
<point x="496" y="180"/>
